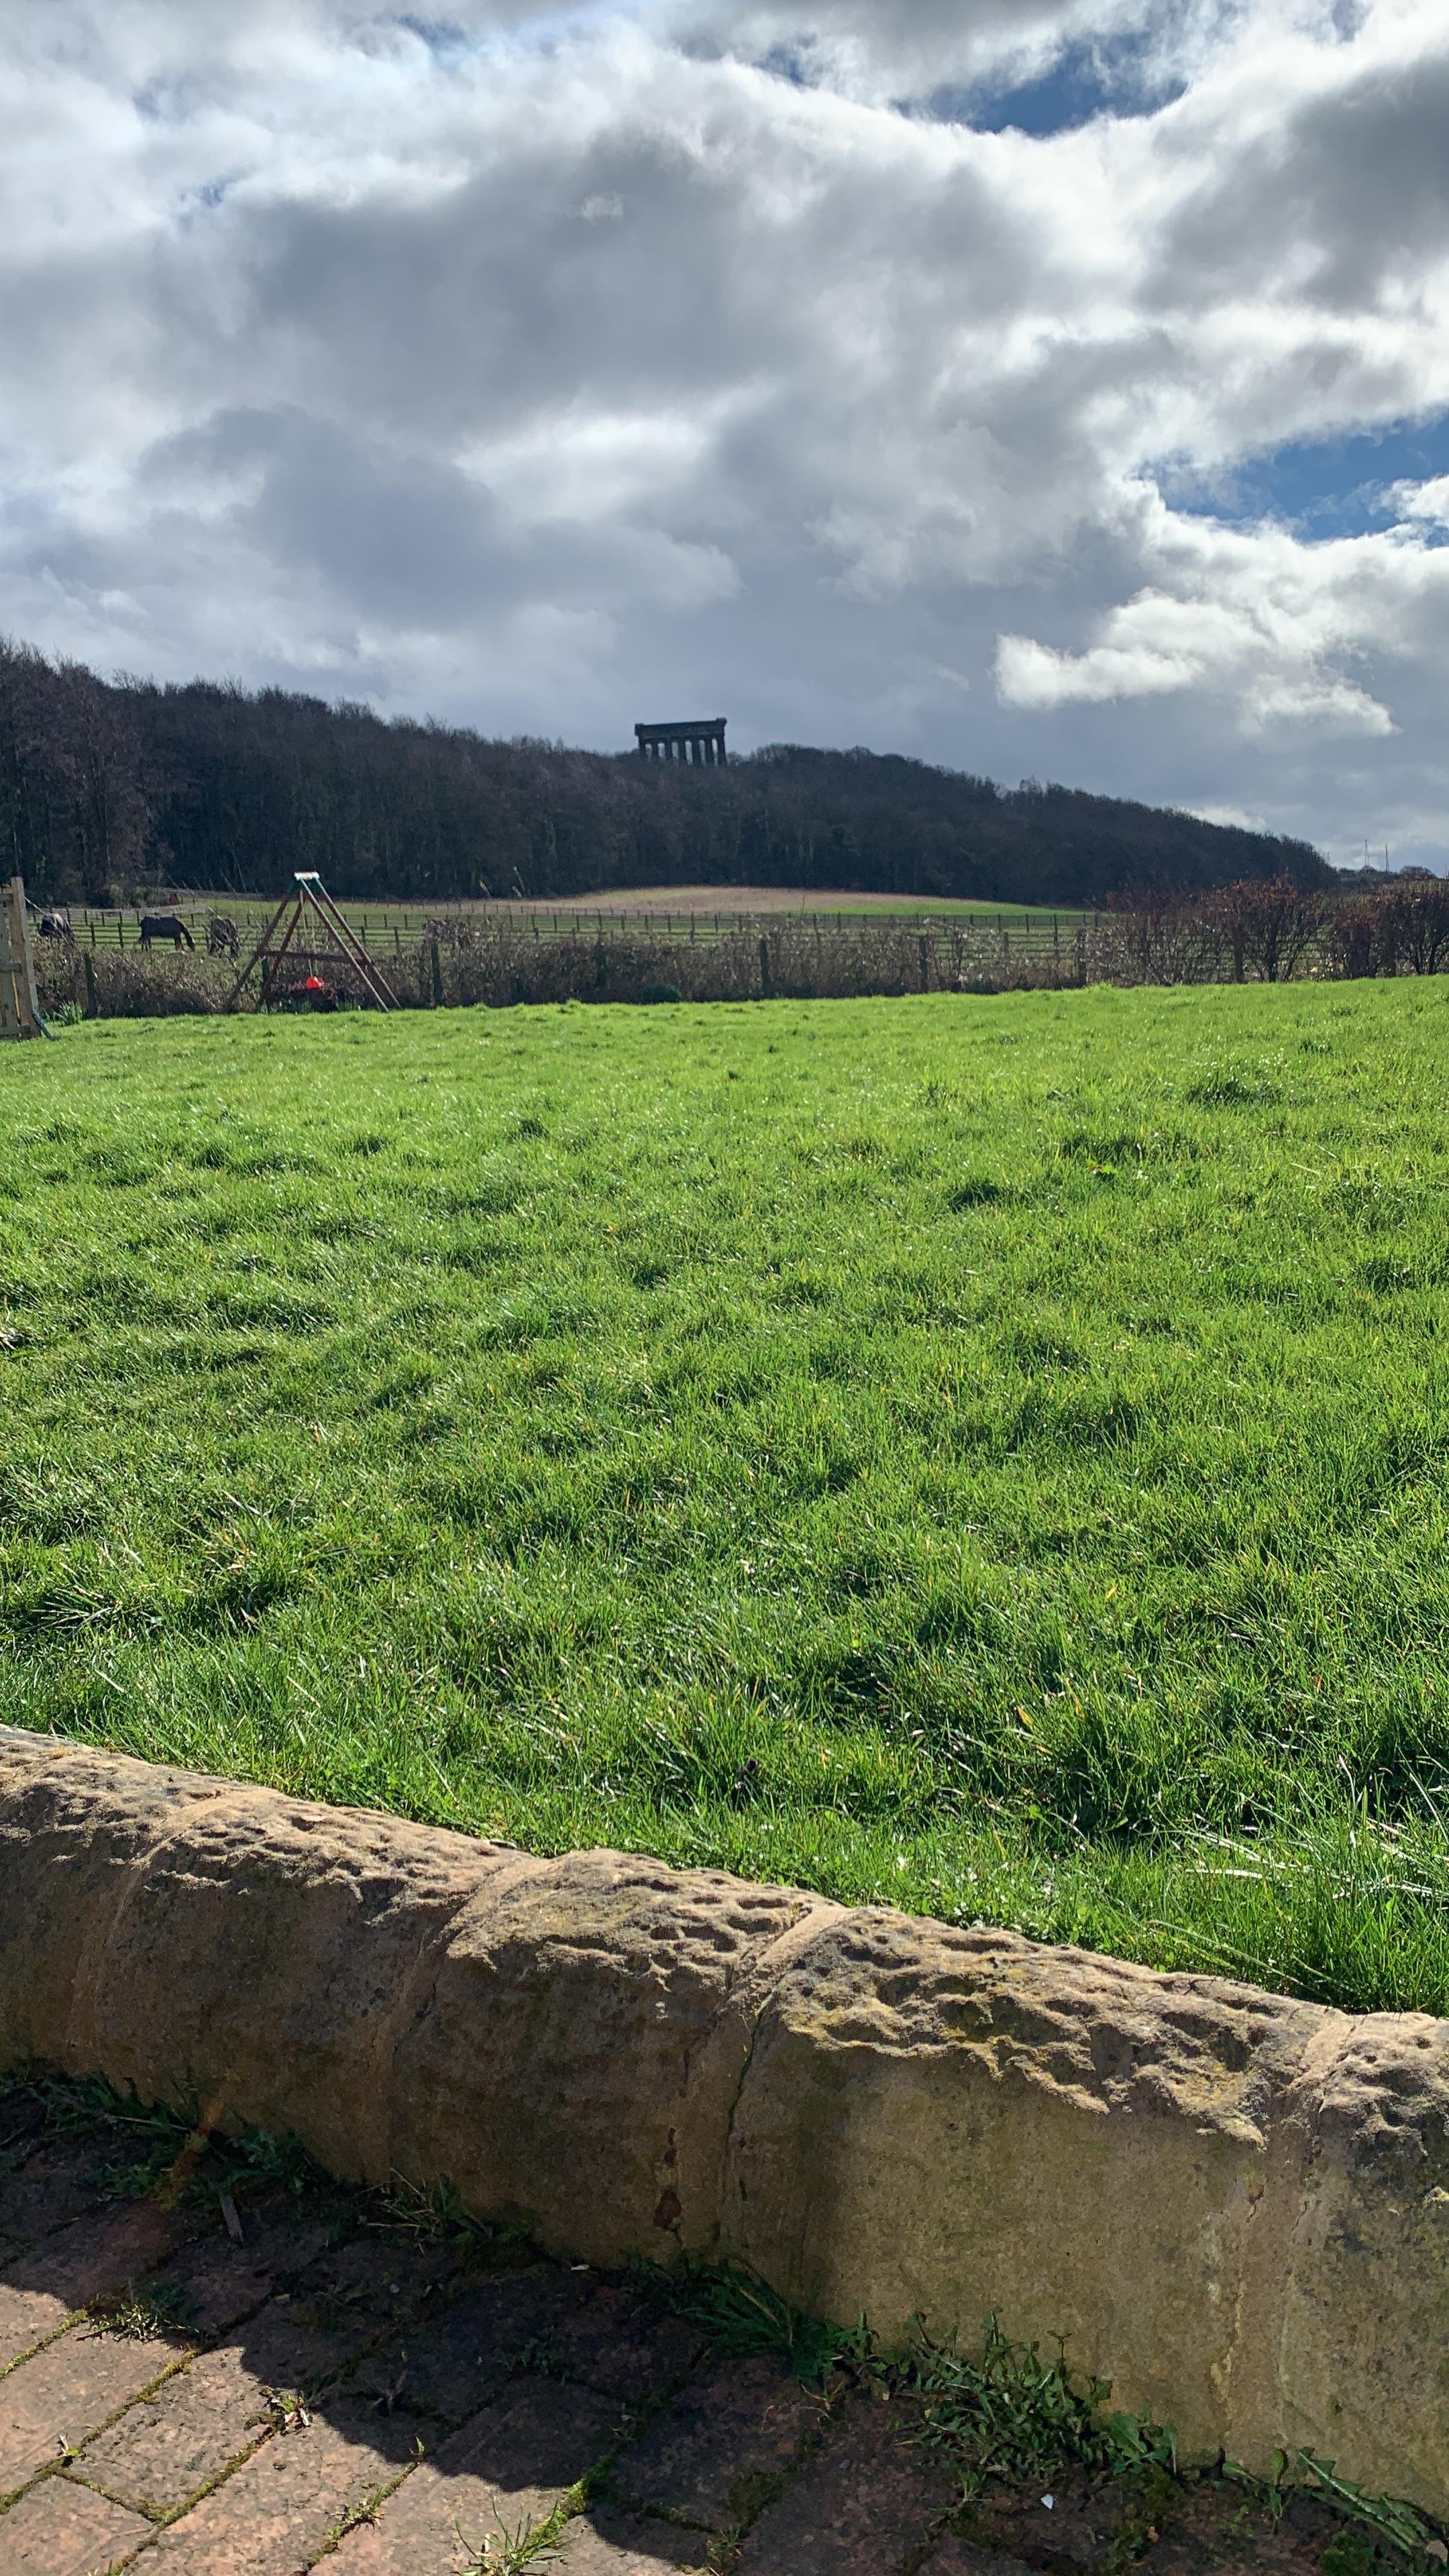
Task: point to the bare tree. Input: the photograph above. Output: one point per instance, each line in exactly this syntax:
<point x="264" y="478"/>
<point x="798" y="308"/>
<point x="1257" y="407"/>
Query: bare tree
<point x="1267" y="925"/>
<point x="1417" y="909"/>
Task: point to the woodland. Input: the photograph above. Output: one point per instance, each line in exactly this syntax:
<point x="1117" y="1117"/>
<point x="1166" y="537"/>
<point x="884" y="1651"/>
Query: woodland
<point x="111" y="786"/>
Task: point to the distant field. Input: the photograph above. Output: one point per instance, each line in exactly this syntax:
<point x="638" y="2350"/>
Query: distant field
<point x="705" y="901"/>
<point x="687" y="911"/>
<point x="984" y="1454"/>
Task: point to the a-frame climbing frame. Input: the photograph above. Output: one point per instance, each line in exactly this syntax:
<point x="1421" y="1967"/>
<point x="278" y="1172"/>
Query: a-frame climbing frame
<point x="314" y="913"/>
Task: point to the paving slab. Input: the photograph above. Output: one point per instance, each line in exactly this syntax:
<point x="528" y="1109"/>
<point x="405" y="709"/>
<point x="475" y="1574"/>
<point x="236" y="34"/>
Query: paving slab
<point x="957" y="2557"/>
<point x="501" y="2476"/>
<point x="164" y="2450"/>
<point x="53" y="2185"/>
<point x="450" y="2363"/>
<point x="624" y="2341"/>
<point x="339" y="2388"/>
<point x="63" y="2530"/>
<point x="869" y="2498"/>
<point x="1069" y="2520"/>
<point x="603" y="2541"/>
<point x="215" y="2282"/>
<point x="85" y="2261"/>
<point x="718" y="2450"/>
<point x="54" y="2401"/>
<point x="347" y="2300"/>
<point x="278" y="2512"/>
<point x="1220" y="2531"/>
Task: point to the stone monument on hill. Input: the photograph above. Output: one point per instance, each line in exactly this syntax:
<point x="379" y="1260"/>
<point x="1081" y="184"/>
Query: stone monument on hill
<point x="700" y="743"/>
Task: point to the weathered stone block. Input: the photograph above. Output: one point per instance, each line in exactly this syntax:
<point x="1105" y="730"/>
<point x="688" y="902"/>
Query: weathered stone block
<point x="1232" y="2206"/>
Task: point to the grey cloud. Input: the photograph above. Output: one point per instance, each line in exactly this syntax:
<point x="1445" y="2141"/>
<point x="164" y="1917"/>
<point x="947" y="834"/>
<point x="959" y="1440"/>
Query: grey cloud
<point x="1350" y="192"/>
<point x="408" y="536"/>
<point x="550" y="377"/>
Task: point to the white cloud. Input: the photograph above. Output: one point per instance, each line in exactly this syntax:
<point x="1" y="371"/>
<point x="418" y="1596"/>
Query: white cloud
<point x="1033" y="675"/>
<point x="1417" y="503"/>
<point x="587" y="356"/>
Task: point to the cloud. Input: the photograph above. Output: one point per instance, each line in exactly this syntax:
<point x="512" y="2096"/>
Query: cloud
<point x="1033" y="675"/>
<point x="525" y="365"/>
<point x="1423" y="503"/>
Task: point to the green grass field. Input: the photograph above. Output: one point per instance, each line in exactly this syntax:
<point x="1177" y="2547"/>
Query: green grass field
<point x="986" y="1455"/>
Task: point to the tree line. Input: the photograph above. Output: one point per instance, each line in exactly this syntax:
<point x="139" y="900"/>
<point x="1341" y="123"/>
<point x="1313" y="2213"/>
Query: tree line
<point x="109" y="786"/>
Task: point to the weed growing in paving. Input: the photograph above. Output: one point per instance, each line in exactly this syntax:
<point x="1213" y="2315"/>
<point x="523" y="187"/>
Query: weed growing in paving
<point x="159" y="2152"/>
<point x="1010" y="2414"/>
<point x="985" y="1455"/>
<point x="136" y="2316"/>
<point x="433" y="2214"/>
<point x="509" y="2552"/>
<point x="1005" y="2416"/>
<point x="743" y="2316"/>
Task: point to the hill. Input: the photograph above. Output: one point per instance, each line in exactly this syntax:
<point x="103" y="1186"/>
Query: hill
<point x="110" y="785"/>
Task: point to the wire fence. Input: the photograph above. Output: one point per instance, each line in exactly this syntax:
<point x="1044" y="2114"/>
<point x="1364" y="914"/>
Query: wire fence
<point x="395" y="931"/>
<point x="1270" y="931"/>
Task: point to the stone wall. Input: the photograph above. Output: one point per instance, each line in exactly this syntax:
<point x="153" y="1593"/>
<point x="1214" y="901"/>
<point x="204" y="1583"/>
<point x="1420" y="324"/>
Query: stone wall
<point x="1233" y="2206"/>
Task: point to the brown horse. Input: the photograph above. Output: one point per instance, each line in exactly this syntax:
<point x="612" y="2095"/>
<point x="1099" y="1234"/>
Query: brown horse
<point x="165" y="925"/>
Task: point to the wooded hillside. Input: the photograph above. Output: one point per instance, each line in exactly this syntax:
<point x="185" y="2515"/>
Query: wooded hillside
<point x="107" y="786"/>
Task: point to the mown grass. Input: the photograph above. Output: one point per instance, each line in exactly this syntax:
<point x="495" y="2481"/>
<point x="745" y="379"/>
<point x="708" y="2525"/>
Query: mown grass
<point x="983" y="1454"/>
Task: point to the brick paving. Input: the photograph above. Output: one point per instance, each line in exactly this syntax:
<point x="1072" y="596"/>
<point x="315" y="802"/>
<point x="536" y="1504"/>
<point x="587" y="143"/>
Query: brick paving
<point x="332" y="2392"/>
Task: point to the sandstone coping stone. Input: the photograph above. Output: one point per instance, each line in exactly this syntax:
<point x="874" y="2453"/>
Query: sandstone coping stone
<point x="1232" y="2205"/>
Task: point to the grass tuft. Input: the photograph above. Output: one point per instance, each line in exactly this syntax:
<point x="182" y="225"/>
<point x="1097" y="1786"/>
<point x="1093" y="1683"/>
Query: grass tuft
<point x="1012" y="2415"/>
<point x="744" y="2317"/>
<point x="163" y="2153"/>
<point x="138" y="2316"/>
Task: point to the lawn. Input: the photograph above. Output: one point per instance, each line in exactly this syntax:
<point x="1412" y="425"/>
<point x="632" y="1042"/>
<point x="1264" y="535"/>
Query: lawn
<point x="987" y="1455"/>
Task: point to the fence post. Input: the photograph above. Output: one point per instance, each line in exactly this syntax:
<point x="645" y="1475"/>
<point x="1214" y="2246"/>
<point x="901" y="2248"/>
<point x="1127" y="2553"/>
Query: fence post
<point x="93" y="1008"/>
<point x="437" y="966"/>
<point x="925" y="948"/>
<point x="764" y="969"/>
<point x="19" y="1005"/>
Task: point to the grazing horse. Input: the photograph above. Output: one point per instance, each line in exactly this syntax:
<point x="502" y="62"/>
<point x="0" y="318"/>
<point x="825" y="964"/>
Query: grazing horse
<point x="222" y="936"/>
<point x="164" y="925"/>
<point x="56" y="925"/>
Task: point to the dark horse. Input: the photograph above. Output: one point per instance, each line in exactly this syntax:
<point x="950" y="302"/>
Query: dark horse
<point x="165" y="925"/>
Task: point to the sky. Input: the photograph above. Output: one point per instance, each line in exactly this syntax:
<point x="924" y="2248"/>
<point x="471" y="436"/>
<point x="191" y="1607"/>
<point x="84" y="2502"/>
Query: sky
<point x="1051" y="388"/>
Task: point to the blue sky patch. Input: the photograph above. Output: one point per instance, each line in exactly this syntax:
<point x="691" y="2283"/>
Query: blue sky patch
<point x="440" y="36"/>
<point x="1085" y="81"/>
<point x="1324" y="487"/>
<point x="787" y="63"/>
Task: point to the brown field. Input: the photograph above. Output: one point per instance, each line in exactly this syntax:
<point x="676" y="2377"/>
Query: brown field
<point x="753" y="900"/>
